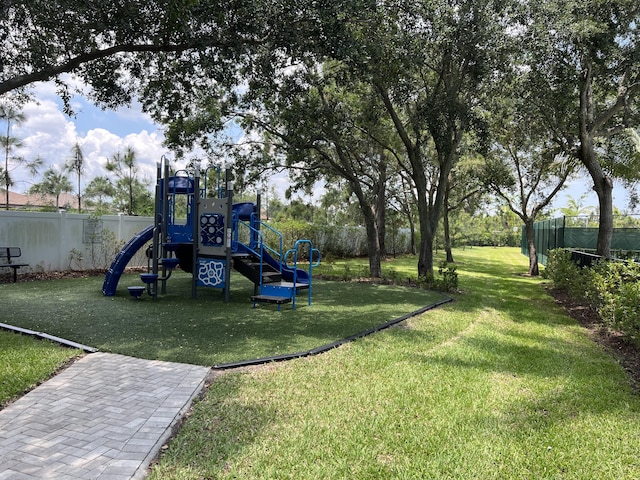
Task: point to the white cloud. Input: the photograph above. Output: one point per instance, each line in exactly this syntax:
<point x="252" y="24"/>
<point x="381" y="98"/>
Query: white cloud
<point x="48" y="133"/>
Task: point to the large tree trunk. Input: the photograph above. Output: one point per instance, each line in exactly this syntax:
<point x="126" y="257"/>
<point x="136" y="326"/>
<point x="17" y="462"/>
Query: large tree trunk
<point x="425" y="214"/>
<point x="373" y="244"/>
<point x="447" y="230"/>
<point x="381" y="206"/>
<point x="604" y="188"/>
<point x="602" y="183"/>
<point x="531" y="244"/>
<point x="425" y="257"/>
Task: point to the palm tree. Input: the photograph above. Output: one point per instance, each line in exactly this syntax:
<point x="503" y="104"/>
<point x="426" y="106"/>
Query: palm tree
<point x="9" y="114"/>
<point x="76" y="164"/>
<point x="53" y="183"/>
<point x="125" y="169"/>
<point x="99" y="187"/>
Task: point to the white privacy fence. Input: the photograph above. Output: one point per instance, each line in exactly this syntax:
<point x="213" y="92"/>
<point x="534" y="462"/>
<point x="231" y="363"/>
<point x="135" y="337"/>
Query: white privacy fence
<point x="63" y="241"/>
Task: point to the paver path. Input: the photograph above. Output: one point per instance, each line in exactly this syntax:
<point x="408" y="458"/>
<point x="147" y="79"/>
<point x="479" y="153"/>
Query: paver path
<point x="105" y="417"/>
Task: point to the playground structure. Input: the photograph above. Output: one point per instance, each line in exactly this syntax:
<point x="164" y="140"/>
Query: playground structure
<point x="213" y="237"/>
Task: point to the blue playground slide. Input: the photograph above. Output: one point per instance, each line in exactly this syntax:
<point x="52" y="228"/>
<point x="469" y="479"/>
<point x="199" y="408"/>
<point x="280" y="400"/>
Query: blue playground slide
<point x="287" y="272"/>
<point x="122" y="259"/>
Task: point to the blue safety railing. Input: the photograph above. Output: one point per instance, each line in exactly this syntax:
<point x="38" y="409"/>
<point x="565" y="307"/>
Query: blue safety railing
<point x="258" y="247"/>
<point x="295" y="252"/>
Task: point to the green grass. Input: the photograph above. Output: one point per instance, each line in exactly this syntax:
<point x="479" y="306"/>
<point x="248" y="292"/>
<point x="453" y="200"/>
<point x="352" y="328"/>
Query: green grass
<point x="204" y="331"/>
<point x="500" y="384"/>
<point x="25" y="362"/>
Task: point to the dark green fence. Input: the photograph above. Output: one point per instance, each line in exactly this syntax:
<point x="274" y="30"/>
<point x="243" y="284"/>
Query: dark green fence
<point x="548" y="234"/>
<point x="567" y="232"/>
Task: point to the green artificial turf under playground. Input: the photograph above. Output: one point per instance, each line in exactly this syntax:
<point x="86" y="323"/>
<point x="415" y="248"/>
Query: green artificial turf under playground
<point x="206" y="330"/>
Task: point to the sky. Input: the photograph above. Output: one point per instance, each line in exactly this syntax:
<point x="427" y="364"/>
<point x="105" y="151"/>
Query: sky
<point x="51" y="134"/>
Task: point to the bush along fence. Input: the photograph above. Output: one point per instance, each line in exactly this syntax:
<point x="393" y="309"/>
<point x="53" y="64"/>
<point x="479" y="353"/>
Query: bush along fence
<point x="612" y="288"/>
<point x="340" y="241"/>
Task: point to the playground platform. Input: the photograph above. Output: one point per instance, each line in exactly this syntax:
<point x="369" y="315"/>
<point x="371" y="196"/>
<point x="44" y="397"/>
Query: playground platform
<point x="105" y="417"/>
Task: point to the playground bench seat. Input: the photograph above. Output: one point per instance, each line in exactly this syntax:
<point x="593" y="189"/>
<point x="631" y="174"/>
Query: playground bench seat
<point x="6" y="256"/>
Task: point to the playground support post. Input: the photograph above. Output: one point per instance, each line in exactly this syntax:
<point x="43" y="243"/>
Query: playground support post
<point x="164" y="217"/>
<point x="156" y="229"/>
<point x="256" y="234"/>
<point x="229" y="235"/>
<point x="196" y="232"/>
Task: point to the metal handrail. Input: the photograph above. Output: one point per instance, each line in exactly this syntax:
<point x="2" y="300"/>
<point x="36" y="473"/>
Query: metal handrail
<point x="312" y="264"/>
<point x="258" y="249"/>
<point x="261" y="246"/>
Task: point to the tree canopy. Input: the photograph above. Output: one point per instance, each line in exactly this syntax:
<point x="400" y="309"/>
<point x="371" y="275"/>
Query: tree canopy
<point x="356" y="90"/>
<point x="582" y="63"/>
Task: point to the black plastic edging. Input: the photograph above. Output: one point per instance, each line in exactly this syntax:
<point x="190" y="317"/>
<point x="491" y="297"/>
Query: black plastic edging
<point x="329" y="346"/>
<point x="46" y="336"/>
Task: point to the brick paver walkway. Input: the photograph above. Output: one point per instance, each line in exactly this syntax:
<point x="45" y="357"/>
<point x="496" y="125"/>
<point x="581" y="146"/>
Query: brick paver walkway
<point x="105" y="417"/>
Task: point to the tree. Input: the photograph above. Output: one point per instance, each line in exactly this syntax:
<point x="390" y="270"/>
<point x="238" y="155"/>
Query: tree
<point x="323" y="129"/>
<point x="99" y="42"/>
<point x="100" y="187"/>
<point x="165" y="52"/>
<point x="427" y="63"/>
<point x="53" y="183"/>
<point x="526" y="181"/>
<point x="576" y="208"/>
<point x="422" y="63"/>
<point x="124" y="167"/>
<point x="524" y="169"/>
<point x="10" y="115"/>
<point x="584" y="77"/>
<point x="75" y="164"/>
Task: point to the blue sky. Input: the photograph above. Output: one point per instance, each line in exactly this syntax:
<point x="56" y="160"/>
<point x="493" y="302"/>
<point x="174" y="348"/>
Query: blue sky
<point x="48" y="132"/>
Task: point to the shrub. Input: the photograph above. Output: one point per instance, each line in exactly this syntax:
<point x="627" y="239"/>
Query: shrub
<point x="612" y="288"/>
<point x="447" y="281"/>
<point x="563" y="272"/>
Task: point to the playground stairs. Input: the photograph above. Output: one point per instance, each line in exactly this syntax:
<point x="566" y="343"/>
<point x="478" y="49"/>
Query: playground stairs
<point x="282" y="289"/>
<point x="272" y="288"/>
<point x="249" y="265"/>
<point x="279" y="293"/>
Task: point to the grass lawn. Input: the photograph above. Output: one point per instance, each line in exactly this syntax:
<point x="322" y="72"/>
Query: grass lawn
<point x="500" y="384"/>
<point x="25" y="362"/>
<point x="204" y="331"/>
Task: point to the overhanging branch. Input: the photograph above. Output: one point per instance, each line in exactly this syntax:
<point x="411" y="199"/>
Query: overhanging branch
<point x="44" y="74"/>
